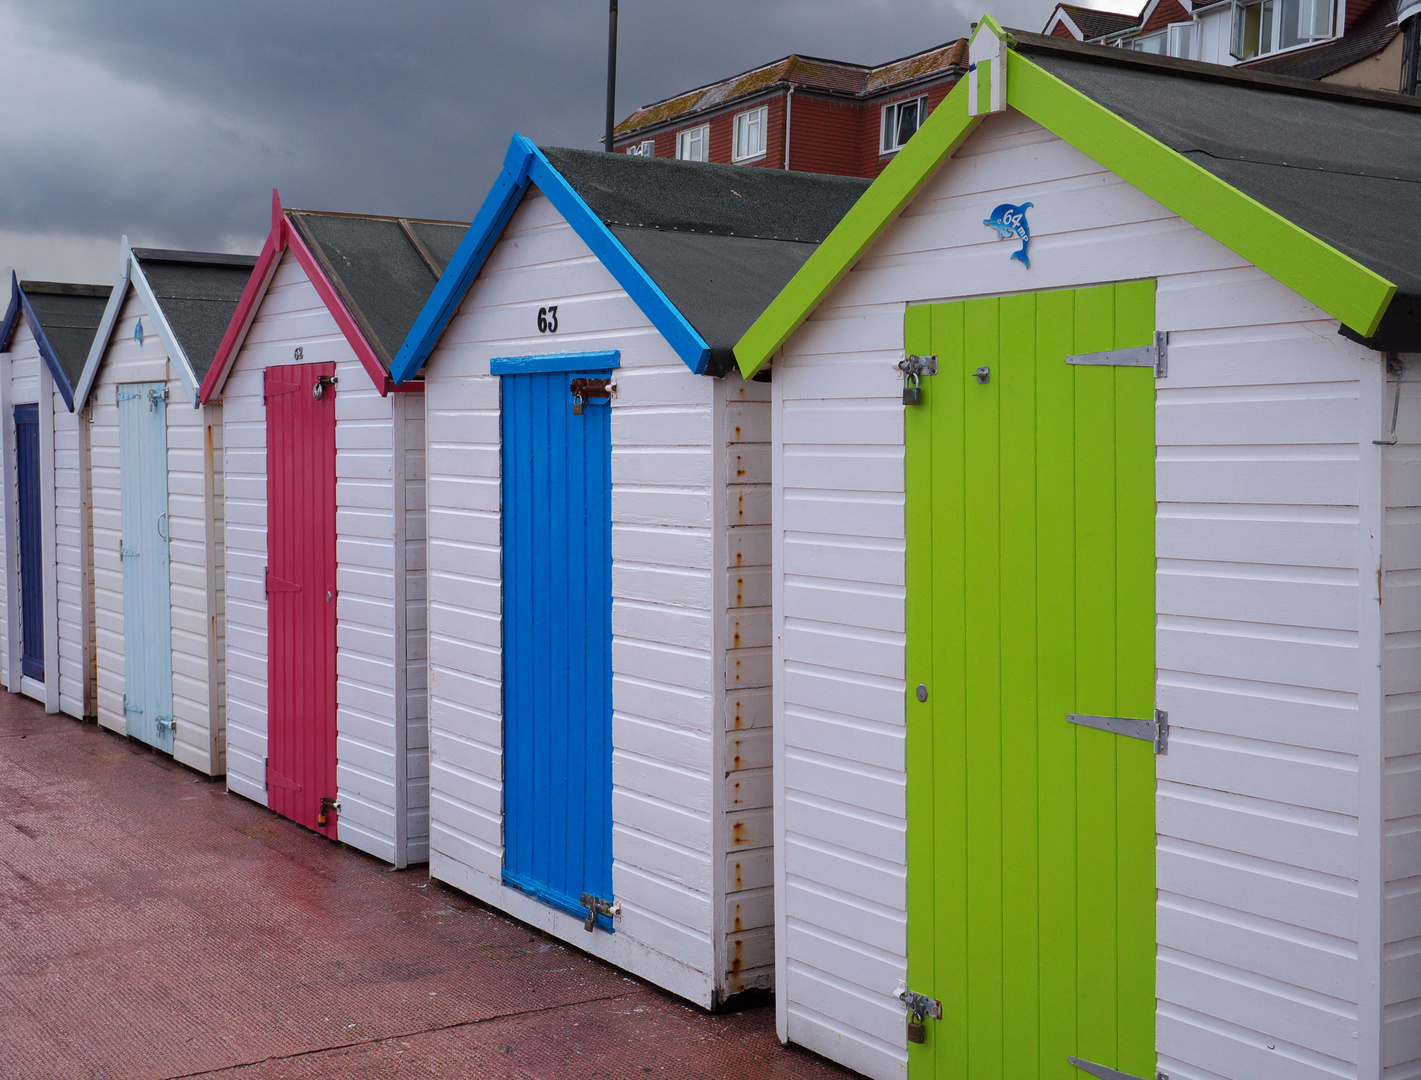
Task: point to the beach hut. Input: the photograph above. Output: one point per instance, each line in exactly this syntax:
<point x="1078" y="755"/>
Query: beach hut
<point x="598" y="601"/>
<point x="1097" y="721"/>
<point x="155" y="477"/>
<point x="326" y="705"/>
<point x="46" y="635"/>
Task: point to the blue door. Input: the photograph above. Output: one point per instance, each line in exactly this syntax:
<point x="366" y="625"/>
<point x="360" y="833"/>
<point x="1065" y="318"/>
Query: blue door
<point x="557" y="640"/>
<point x="147" y="611"/>
<point x="31" y="542"/>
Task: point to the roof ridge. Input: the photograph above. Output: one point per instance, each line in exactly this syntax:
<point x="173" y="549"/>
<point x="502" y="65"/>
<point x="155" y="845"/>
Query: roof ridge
<point x="374" y="217"/>
<point x="178" y="255"/>
<point x="64" y="288"/>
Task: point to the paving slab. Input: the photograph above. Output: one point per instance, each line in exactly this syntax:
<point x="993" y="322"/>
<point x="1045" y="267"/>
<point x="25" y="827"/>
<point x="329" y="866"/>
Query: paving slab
<point x="154" y="926"/>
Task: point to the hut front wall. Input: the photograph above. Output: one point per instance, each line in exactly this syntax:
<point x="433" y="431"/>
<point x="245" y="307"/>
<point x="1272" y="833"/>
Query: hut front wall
<point x="195" y="585"/>
<point x="68" y="685"/>
<point x="691" y="750"/>
<point x="379" y="507"/>
<point x="1268" y="853"/>
<point x="1401" y="729"/>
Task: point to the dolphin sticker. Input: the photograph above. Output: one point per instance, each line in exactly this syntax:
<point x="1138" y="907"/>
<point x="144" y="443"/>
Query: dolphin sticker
<point x="1010" y="221"/>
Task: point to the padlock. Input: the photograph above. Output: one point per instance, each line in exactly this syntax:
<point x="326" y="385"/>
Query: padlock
<point x="912" y="389"/>
<point x="577" y="404"/>
<point x="917" y="1030"/>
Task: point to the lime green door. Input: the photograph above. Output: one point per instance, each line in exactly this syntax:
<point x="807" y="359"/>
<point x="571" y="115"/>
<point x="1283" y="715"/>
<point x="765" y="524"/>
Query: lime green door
<point x="1030" y="581"/>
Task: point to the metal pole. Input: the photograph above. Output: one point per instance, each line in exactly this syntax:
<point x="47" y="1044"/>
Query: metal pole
<point x="611" y="76"/>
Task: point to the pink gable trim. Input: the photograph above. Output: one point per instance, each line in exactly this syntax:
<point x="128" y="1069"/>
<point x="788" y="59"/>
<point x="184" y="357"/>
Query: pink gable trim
<point x="281" y="238"/>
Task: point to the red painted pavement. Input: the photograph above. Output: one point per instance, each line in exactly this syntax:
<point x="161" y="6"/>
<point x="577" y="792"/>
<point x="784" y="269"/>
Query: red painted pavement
<point x="153" y="926"/>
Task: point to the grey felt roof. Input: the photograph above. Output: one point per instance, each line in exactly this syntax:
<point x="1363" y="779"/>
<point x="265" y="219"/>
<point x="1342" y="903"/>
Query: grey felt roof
<point x="720" y="241"/>
<point x="70" y="316"/>
<point x="384" y="268"/>
<point x="198" y="292"/>
<point x="1342" y="164"/>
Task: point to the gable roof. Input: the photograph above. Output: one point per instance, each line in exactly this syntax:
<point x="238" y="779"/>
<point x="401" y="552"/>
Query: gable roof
<point x="63" y="318"/>
<point x="373" y="273"/>
<point x="700" y="247"/>
<point x="1091" y="23"/>
<point x="1317" y="185"/>
<point x="803" y="73"/>
<point x="190" y="297"/>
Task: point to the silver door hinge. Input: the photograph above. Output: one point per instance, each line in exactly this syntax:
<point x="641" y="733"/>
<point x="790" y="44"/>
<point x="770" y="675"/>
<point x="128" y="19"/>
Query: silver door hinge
<point x="1105" y="1072"/>
<point x="595" y="906"/>
<point x="1154" y="355"/>
<point x="1153" y="731"/>
<point x="130" y="708"/>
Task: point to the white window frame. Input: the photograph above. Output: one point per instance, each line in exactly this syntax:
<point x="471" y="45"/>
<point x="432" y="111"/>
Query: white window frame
<point x="760" y="117"/>
<point x="1177" y="30"/>
<point x="888" y="124"/>
<point x="1138" y="44"/>
<point x="1307" y="12"/>
<point x="645" y="148"/>
<point x="688" y="139"/>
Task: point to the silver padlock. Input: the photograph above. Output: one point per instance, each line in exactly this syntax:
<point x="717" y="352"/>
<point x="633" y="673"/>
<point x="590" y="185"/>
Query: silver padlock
<point x="912" y="388"/>
<point x="577" y="404"/>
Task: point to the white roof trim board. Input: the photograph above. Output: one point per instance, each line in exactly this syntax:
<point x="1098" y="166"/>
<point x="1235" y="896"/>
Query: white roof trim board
<point x="131" y="273"/>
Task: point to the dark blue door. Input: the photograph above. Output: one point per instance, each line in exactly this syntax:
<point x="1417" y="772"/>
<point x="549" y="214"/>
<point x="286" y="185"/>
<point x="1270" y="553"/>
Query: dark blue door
<point x="31" y="542"/>
<point x="557" y="640"/>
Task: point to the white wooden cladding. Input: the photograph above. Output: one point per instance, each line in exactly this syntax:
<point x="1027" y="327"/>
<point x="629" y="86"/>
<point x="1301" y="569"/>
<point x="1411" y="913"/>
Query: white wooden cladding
<point x="690" y="621"/>
<point x="68" y="687"/>
<point x="1271" y="871"/>
<point x="381" y="727"/>
<point x="195" y="525"/>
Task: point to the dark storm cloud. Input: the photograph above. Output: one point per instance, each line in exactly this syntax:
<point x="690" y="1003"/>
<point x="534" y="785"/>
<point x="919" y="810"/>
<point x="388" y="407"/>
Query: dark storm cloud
<point x="171" y="120"/>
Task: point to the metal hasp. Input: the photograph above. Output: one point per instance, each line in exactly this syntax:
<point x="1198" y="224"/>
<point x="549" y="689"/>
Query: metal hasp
<point x="1104" y="1072"/>
<point x="1152" y="731"/>
<point x="920" y="1008"/>
<point x="583" y="389"/>
<point x="1154" y="356"/>
<point x="165" y="724"/>
<point x="913" y="369"/>
<point x="595" y="906"/>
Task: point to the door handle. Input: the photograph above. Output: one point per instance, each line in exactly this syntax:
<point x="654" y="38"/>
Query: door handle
<point x="162" y="520"/>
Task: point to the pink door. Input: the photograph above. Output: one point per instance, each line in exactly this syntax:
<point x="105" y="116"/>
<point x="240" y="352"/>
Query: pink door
<point x="300" y="593"/>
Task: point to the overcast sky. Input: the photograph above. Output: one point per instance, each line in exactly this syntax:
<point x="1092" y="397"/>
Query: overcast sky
<point x="171" y="120"/>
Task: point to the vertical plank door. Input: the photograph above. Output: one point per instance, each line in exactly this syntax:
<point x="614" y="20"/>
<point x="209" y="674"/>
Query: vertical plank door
<point x="1030" y="592"/>
<point x="557" y="642"/>
<point x="31" y="542"/>
<point x="147" y="604"/>
<point x="301" y="593"/>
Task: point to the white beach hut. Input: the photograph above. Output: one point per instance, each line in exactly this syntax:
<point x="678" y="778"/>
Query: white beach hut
<point x="598" y="610"/>
<point x="324" y="461"/>
<point x="1097" y="704"/>
<point x="46" y="633"/>
<point x="155" y="474"/>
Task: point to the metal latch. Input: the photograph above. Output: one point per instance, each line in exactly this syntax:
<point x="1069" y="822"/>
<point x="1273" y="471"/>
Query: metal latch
<point x="913" y="369"/>
<point x="155" y="396"/>
<point x="584" y="388"/>
<point x="595" y="906"/>
<point x="328" y="806"/>
<point x="920" y="1008"/>
<point x="1105" y="1072"/>
<point x="1155" y="355"/>
<point x="323" y="383"/>
<point x="1154" y="731"/>
<point x="165" y="724"/>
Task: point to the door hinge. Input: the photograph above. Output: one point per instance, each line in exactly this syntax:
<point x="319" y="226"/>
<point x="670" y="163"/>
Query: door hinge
<point x="1154" y="355"/>
<point x="1153" y="731"/>
<point x="278" y="584"/>
<point x="128" y="707"/>
<point x="595" y="906"/>
<point x="275" y="780"/>
<point x="1105" y="1072"/>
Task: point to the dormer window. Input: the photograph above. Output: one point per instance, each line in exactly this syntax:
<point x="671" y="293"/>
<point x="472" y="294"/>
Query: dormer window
<point x="1274" y="25"/>
<point x="1178" y="40"/>
<point x="900" y="121"/>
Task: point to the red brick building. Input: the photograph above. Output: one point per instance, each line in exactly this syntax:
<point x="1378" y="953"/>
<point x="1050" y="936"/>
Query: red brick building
<point x="801" y="113"/>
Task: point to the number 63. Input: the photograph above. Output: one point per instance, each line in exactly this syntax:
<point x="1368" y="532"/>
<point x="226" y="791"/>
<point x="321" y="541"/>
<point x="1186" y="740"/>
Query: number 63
<point x="548" y="320"/>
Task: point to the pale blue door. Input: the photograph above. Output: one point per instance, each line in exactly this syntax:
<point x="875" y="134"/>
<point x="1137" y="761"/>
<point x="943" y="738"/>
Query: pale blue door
<point x="147" y="610"/>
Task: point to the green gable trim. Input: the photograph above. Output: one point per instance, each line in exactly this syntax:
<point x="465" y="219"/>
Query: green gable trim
<point x="1335" y="282"/>
<point x="875" y="210"/>
<point x="1338" y="284"/>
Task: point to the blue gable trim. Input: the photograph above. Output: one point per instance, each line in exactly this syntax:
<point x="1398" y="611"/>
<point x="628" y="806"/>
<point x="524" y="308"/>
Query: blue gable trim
<point x="20" y="302"/>
<point x="525" y="164"/>
<point x="559" y="361"/>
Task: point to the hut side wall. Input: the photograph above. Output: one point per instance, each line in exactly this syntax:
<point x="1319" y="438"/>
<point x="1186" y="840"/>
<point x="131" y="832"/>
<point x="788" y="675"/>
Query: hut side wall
<point x="199" y="735"/>
<point x="71" y="556"/>
<point x="24" y="389"/>
<point x="1264" y="425"/>
<point x="371" y="617"/>
<point x="671" y="593"/>
<point x="1401" y="678"/>
<point x="416" y="665"/>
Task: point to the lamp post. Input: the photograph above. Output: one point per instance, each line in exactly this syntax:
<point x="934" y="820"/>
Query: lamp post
<point x="611" y="76"/>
